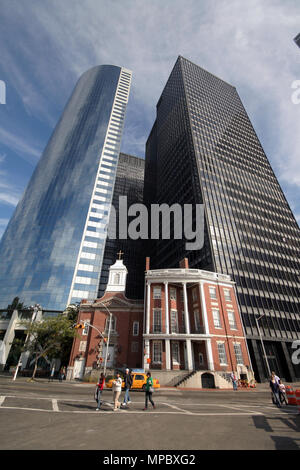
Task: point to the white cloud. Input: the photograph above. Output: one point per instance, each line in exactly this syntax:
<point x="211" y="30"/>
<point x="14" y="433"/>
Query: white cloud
<point x="19" y="145"/>
<point x="248" y="44"/>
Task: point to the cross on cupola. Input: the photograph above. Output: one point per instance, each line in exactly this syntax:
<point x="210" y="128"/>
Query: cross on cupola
<point x="120" y="254"/>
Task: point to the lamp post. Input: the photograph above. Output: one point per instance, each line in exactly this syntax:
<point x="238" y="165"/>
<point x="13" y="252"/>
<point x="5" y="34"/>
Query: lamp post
<point x="262" y="343"/>
<point x="108" y="338"/>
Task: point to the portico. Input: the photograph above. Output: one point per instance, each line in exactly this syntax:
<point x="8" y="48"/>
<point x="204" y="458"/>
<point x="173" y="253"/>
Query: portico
<point x="186" y="321"/>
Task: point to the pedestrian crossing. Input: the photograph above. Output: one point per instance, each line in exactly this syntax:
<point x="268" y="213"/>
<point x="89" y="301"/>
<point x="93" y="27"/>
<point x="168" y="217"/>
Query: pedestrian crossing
<point x="194" y="408"/>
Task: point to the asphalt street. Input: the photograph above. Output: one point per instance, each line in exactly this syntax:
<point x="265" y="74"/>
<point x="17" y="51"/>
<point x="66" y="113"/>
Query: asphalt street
<point x="62" y="416"/>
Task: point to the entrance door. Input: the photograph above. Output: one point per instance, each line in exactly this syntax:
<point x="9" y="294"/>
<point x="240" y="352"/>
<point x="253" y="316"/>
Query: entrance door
<point x="208" y="380"/>
<point x="79" y="366"/>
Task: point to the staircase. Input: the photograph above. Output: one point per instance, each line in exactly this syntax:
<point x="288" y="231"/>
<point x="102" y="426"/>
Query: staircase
<point x="186" y="377"/>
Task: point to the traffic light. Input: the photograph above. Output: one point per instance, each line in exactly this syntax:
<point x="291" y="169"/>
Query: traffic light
<point x="105" y="340"/>
<point x="79" y="326"/>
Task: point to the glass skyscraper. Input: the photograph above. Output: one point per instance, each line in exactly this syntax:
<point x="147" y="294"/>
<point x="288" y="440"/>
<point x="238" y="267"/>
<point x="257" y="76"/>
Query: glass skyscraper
<point x="130" y="183"/>
<point x="203" y="149"/>
<point x="52" y="250"/>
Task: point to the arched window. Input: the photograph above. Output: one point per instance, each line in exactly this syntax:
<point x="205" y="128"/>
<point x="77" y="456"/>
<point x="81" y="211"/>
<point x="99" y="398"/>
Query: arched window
<point x="116" y="278"/>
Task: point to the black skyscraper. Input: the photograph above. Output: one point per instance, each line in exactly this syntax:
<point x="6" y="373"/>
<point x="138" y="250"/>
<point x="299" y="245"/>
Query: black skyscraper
<point x="129" y="182"/>
<point x="203" y="149"/>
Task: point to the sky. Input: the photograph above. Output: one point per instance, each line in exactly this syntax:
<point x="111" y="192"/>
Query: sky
<point x="46" y="45"/>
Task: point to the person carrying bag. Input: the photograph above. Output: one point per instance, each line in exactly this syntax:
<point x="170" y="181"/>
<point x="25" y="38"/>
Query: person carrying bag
<point x="148" y="391"/>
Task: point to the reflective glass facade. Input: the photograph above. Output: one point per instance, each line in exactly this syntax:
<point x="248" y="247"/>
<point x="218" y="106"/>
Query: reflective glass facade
<point x="129" y="182"/>
<point x="203" y="149"/>
<point x="51" y="252"/>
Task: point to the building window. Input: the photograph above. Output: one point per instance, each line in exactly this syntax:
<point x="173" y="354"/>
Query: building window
<point x="201" y="359"/>
<point x="212" y="293"/>
<point x="157" y="320"/>
<point x="173" y="293"/>
<point x="183" y="321"/>
<point x="116" y="278"/>
<point x="216" y="318"/>
<point x="222" y="354"/>
<point x="156" y="292"/>
<point x="194" y="295"/>
<point x="136" y="327"/>
<point x="82" y="346"/>
<point x="85" y="330"/>
<point x="175" y="352"/>
<point x="174" y="321"/>
<point x="157" y="352"/>
<point x="134" y="347"/>
<point x="197" y="321"/>
<point x="113" y="323"/>
<point x="231" y="319"/>
<point x="238" y="353"/>
<point x="227" y="295"/>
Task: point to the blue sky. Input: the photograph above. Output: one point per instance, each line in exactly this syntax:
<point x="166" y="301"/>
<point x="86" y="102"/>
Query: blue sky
<point x="46" y="46"/>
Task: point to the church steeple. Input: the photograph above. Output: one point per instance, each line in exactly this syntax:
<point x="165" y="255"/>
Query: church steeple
<point x="117" y="276"/>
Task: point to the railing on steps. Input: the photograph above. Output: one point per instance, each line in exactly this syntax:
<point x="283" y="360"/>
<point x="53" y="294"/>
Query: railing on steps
<point x="186" y="377"/>
<point x="225" y="376"/>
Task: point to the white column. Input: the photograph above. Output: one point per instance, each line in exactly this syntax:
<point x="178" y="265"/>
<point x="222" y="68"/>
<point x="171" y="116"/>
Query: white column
<point x="189" y="354"/>
<point x="204" y="311"/>
<point x="167" y="308"/>
<point x="186" y="312"/>
<point x="209" y="354"/>
<point x="147" y="326"/>
<point x="168" y="354"/>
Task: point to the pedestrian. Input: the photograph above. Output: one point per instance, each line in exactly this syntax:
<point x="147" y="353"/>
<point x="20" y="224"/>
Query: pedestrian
<point x="128" y="385"/>
<point x="282" y="393"/>
<point x="149" y="391"/>
<point x="62" y="374"/>
<point x="234" y="380"/>
<point x="52" y="374"/>
<point x="276" y="377"/>
<point x="274" y="385"/>
<point x="117" y="388"/>
<point x="99" y="390"/>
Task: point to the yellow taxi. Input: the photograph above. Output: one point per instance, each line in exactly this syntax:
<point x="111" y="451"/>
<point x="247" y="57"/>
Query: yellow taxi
<point x="139" y="380"/>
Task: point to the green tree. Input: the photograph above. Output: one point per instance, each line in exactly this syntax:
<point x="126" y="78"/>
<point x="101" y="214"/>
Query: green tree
<point x="51" y="337"/>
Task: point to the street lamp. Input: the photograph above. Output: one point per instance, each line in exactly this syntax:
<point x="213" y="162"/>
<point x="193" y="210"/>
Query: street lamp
<point x="262" y="343"/>
<point x="108" y="338"/>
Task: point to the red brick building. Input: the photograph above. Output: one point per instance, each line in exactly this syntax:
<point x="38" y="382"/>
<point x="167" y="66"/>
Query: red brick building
<point x="193" y="323"/>
<point x="189" y="323"/>
<point x="126" y="341"/>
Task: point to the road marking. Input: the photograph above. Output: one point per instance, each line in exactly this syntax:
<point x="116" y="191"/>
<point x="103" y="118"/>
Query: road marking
<point x="241" y="410"/>
<point x="177" y="408"/>
<point x="233" y="407"/>
<point x="55" y="405"/>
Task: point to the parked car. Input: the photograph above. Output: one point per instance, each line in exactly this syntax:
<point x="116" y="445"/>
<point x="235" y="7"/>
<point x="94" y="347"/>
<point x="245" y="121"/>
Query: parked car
<point x="139" y="380"/>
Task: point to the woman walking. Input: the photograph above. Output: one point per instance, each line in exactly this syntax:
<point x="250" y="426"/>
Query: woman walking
<point x="99" y="390"/>
<point x="117" y="388"/>
<point x="274" y="385"/>
<point x="149" y="390"/>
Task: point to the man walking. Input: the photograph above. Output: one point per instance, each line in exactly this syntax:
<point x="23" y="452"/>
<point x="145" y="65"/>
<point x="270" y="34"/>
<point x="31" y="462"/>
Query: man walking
<point x="234" y="381"/>
<point x="128" y="385"/>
